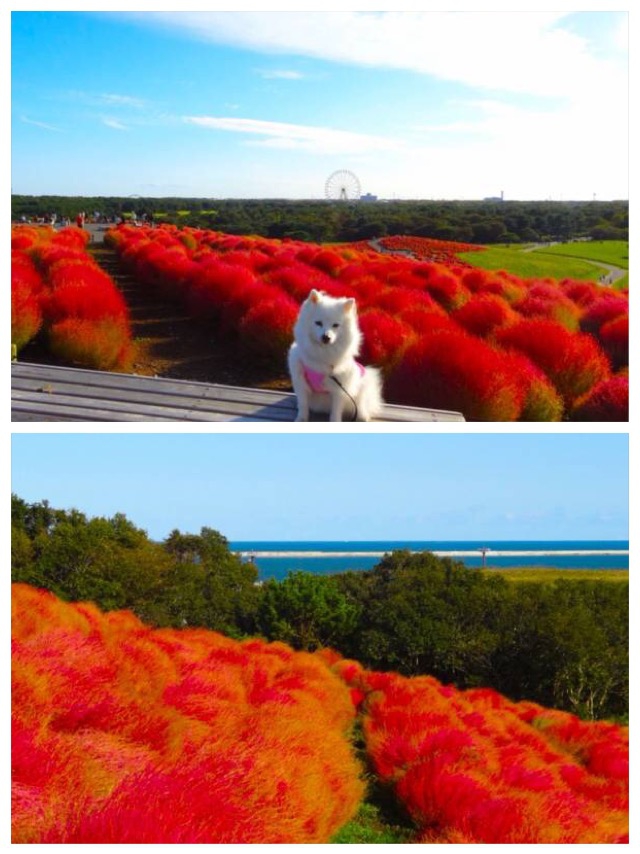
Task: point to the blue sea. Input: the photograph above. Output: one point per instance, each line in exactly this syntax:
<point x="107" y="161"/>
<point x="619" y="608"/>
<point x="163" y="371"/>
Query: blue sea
<point x="336" y="557"/>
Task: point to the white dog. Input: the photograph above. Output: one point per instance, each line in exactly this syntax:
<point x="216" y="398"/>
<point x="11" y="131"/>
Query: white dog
<point x="322" y="364"/>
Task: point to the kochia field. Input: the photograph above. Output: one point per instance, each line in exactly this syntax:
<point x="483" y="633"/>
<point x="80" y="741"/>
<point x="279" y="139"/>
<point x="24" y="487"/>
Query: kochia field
<point x="126" y="734"/>
<point x="445" y="334"/>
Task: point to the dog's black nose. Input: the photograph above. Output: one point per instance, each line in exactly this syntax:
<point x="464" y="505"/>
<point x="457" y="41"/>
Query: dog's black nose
<point x="326" y="338"/>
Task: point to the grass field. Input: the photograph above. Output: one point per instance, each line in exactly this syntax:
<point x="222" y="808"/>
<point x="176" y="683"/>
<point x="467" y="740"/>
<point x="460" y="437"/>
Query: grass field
<point x="540" y="574"/>
<point x="609" y="251"/>
<point x="562" y="260"/>
<point x="532" y="265"/>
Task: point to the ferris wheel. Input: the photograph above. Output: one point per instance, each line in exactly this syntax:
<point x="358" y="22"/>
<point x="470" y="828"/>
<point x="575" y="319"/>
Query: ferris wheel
<point x="342" y="186"/>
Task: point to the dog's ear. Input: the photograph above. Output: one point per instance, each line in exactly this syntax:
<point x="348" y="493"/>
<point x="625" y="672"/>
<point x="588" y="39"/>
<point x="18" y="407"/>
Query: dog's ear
<point x="314" y="296"/>
<point x="349" y="305"/>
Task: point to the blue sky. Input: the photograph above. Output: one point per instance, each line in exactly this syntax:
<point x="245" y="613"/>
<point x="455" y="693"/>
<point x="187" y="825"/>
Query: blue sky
<point x="269" y="104"/>
<point x="337" y="486"/>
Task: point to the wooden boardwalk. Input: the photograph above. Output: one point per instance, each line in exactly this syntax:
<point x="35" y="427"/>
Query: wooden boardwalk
<point x="54" y="393"/>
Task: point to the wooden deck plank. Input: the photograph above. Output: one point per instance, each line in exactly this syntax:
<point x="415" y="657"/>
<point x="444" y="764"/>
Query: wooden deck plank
<point x="50" y="393"/>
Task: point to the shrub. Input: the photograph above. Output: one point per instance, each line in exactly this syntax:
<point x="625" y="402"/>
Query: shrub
<point x="454" y="371"/>
<point x="602" y="311"/>
<point x="124" y="734"/>
<point x="482" y="313"/>
<point x="213" y="284"/>
<point x="547" y="302"/>
<point x="581" y="293"/>
<point x="542" y="402"/>
<point x="26" y="303"/>
<point x="26" y="314"/>
<point x="100" y="344"/>
<point x="383" y="337"/>
<point x="614" y="338"/>
<point x="266" y="330"/>
<point x="573" y="362"/>
<point x="88" y="294"/>
<point x="607" y="401"/>
<point x="328" y="261"/>
<point x="473" y="767"/>
<point x="445" y="288"/>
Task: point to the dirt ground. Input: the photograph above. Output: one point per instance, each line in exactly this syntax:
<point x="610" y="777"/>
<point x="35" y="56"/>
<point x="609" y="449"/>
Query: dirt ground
<point x="170" y="343"/>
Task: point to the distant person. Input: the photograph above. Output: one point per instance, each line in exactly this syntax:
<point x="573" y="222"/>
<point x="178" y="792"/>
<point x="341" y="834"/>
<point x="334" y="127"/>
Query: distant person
<point x="80" y="220"/>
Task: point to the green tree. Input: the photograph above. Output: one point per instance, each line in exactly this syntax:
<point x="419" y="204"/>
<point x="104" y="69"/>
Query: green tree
<point x="424" y="614"/>
<point x="306" y="611"/>
<point x="209" y="585"/>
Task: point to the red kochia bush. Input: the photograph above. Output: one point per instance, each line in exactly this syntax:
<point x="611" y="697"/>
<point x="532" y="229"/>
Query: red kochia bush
<point x="26" y="300"/>
<point x="383" y="338"/>
<point x="474" y="767"/>
<point x="573" y="361"/>
<point x="87" y="294"/>
<point x="482" y="313"/>
<point x="601" y="311"/>
<point x="542" y="402"/>
<point x="266" y="330"/>
<point x="453" y="370"/>
<point x="127" y="734"/>
<point x="614" y="338"/>
<point x="101" y="344"/>
<point x="26" y="314"/>
<point x="607" y="401"/>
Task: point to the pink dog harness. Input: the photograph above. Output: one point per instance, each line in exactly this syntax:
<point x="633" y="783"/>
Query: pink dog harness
<point x="315" y="379"/>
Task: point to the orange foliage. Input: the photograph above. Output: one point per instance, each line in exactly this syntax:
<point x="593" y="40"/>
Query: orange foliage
<point x="472" y="766"/>
<point x="123" y="733"/>
<point x="126" y="734"/>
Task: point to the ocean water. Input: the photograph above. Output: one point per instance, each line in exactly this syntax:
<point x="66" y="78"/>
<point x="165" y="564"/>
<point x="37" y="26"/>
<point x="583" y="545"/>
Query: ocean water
<point x="278" y="565"/>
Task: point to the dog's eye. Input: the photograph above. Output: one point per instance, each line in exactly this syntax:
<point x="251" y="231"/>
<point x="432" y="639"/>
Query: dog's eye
<point x="336" y="325"/>
<point x="318" y="323"/>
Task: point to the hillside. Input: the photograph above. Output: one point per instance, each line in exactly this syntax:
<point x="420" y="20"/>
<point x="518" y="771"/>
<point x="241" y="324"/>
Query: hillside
<point x="123" y="733"/>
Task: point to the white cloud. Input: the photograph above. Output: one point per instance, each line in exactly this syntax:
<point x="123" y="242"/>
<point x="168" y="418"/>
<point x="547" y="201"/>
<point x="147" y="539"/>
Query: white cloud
<point x="122" y="101"/>
<point x="318" y="140"/>
<point x="281" y="75"/>
<point x="523" y="52"/>
<point x="114" y="123"/>
<point x="37" y="124"/>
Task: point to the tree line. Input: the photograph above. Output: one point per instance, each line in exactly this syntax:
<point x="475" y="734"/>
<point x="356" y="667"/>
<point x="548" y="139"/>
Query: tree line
<point x="479" y="222"/>
<point x="563" y="644"/>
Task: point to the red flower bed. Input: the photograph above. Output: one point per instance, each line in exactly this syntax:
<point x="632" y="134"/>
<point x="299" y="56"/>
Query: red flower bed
<point x="474" y="767"/>
<point x="26" y="299"/>
<point x="126" y="734"/>
<point x="221" y="278"/>
<point x="79" y="308"/>
<point x="430" y="249"/>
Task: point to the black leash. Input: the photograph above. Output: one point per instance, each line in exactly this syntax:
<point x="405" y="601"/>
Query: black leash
<point x="355" y="405"/>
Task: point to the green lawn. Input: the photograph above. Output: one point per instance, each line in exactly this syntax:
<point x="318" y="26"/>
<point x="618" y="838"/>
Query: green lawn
<point x="530" y="265"/>
<point x="562" y="260"/>
<point x="609" y="251"/>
